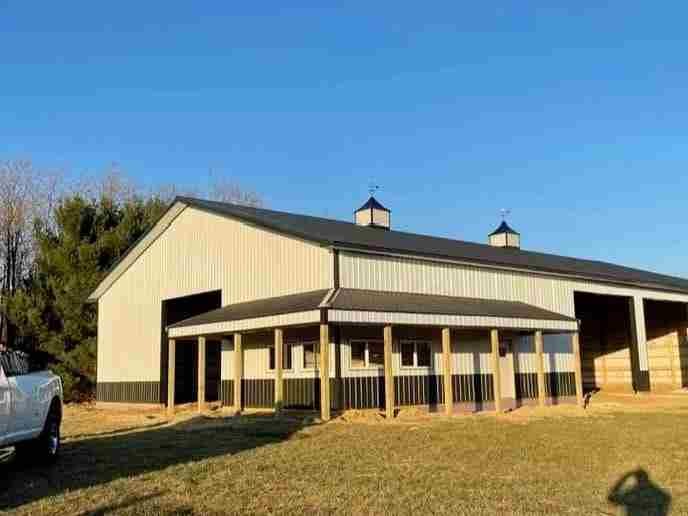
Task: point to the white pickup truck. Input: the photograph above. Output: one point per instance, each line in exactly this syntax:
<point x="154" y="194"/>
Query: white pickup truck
<point x="30" y="407"/>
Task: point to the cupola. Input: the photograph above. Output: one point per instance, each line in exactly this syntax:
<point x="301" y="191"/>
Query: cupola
<point x="373" y="214"/>
<point x="505" y="236"/>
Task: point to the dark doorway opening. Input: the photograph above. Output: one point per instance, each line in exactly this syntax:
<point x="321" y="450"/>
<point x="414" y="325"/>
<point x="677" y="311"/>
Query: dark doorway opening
<point x="667" y="348"/>
<point x="609" y="355"/>
<point x="186" y="363"/>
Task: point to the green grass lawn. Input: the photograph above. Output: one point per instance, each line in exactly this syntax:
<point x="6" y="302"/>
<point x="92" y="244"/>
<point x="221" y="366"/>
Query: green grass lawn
<point x="556" y="460"/>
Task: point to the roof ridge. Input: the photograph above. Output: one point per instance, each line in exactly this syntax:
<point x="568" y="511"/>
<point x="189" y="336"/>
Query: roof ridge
<point x="474" y="252"/>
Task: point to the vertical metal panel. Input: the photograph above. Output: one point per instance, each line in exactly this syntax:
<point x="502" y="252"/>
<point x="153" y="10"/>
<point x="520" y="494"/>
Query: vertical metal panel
<point x="227" y="393"/>
<point x="129" y="392"/>
<point x="377" y="272"/>
<point x="227" y="360"/>
<point x="198" y="252"/>
<point x="258" y="393"/>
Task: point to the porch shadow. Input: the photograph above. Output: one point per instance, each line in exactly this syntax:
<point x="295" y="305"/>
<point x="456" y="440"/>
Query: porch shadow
<point x="99" y="460"/>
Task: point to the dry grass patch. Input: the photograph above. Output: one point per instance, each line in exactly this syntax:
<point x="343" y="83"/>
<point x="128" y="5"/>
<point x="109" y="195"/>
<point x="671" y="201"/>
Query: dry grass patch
<point x="559" y="460"/>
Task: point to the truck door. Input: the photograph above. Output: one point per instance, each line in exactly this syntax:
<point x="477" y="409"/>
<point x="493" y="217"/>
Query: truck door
<point x="5" y="404"/>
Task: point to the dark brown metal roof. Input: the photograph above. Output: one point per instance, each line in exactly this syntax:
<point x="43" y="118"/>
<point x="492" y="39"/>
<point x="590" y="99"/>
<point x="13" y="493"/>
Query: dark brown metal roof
<point x="348" y="235"/>
<point x="260" y="308"/>
<point x="372" y="301"/>
<point x="401" y="302"/>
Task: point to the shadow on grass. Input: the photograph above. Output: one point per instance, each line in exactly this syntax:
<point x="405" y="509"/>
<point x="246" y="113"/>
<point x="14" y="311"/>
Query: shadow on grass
<point x="124" y="504"/>
<point x="99" y="460"/>
<point x="638" y="495"/>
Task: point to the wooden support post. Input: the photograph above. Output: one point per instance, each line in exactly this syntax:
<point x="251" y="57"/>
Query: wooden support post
<point x="324" y="372"/>
<point x="577" y="367"/>
<point x="496" y="373"/>
<point x="389" y="374"/>
<point x="540" y="359"/>
<point x="201" y="373"/>
<point x="447" y="370"/>
<point x="238" y="360"/>
<point x="279" y="363"/>
<point x="171" y="364"/>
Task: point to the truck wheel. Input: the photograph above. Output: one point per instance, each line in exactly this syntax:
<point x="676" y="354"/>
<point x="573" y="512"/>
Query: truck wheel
<point x="49" y="441"/>
<point x="46" y="447"/>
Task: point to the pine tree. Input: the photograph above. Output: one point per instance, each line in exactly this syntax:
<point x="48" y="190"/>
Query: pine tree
<point x="73" y="255"/>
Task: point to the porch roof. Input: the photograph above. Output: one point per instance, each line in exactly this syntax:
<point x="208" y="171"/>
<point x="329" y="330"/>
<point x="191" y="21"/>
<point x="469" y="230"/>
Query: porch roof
<point x="374" y="307"/>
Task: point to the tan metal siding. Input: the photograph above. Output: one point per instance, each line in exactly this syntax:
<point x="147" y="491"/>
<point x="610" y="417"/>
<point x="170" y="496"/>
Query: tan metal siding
<point x="256" y="357"/>
<point x="198" y="252"/>
<point x="400" y="274"/>
<point x="227" y="360"/>
<point x="558" y="356"/>
<point x="471" y="353"/>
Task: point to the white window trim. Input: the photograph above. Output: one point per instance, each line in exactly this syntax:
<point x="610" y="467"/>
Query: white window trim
<point x="366" y="355"/>
<point x="415" y="355"/>
<point x="288" y="345"/>
<point x="316" y="344"/>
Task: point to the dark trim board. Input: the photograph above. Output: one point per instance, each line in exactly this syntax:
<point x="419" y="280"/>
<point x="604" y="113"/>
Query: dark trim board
<point x="258" y="393"/>
<point x="475" y="387"/>
<point x="227" y="393"/>
<point x="302" y="393"/>
<point x="353" y="392"/>
<point x="128" y="392"/>
<point x="557" y="385"/>
<point x="418" y="390"/>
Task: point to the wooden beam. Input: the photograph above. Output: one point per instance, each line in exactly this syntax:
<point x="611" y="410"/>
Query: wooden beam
<point x="540" y="359"/>
<point x="577" y="368"/>
<point x="389" y="374"/>
<point x="171" y="365"/>
<point x="279" y="363"/>
<point x="496" y="373"/>
<point x="447" y="371"/>
<point x="324" y="372"/>
<point x="238" y="362"/>
<point x="201" y="374"/>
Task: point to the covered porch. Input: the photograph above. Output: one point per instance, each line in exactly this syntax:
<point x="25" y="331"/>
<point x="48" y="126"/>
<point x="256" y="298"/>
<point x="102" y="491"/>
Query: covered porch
<point x="347" y="349"/>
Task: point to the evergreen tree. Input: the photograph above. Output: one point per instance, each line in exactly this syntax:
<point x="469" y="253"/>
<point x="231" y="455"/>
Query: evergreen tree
<point x="74" y="254"/>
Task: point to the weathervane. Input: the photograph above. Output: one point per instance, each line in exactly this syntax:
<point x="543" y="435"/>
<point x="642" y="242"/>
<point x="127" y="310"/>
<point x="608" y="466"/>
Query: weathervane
<point x="505" y="213"/>
<point x="372" y="188"/>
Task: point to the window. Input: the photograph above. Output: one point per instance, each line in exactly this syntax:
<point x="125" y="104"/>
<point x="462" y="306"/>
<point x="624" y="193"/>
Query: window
<point x="310" y="355"/>
<point x="407" y="352"/>
<point x="376" y="354"/>
<point x="358" y="353"/>
<point x="416" y="354"/>
<point x="367" y="353"/>
<point x="286" y="357"/>
<point x="422" y="354"/>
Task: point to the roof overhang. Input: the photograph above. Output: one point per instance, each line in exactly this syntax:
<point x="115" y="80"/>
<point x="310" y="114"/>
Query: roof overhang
<point x="249" y="324"/>
<point x="372" y="307"/>
<point x="450" y="321"/>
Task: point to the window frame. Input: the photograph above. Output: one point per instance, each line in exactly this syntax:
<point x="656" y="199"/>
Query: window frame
<point x="366" y="354"/>
<point x="271" y="354"/>
<point x="416" y="343"/>
<point x="316" y="352"/>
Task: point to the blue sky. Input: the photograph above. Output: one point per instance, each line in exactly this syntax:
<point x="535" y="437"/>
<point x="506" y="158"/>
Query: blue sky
<point x="573" y="117"/>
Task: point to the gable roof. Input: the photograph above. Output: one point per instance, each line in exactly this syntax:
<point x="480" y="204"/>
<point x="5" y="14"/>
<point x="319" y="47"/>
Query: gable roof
<point x="504" y="228"/>
<point x="347" y="235"/>
<point x="374" y="204"/>
<point x="342" y="234"/>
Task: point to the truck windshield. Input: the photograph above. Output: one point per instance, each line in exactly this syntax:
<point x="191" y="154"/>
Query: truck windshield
<point x="14" y="363"/>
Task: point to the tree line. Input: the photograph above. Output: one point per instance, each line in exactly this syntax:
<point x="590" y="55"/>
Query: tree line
<point x="57" y="241"/>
